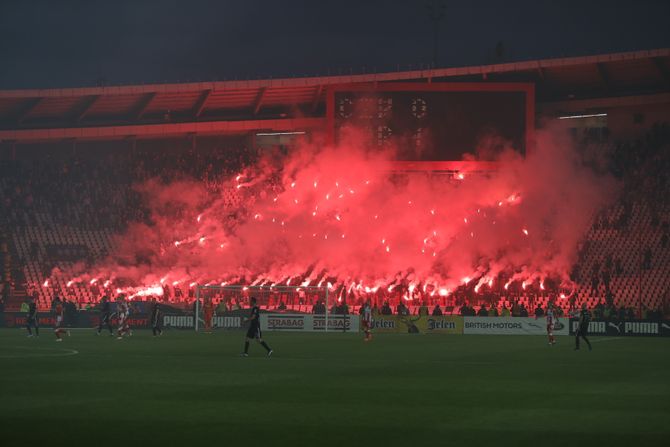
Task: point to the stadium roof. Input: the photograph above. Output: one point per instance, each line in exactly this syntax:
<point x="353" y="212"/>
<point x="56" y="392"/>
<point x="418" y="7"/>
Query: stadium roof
<point x="163" y="110"/>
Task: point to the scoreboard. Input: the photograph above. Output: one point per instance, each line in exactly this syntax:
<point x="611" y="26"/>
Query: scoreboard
<point x="436" y="121"/>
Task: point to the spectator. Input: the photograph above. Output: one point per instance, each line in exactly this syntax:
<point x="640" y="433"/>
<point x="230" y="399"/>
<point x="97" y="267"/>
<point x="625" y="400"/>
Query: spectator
<point x="402" y="309"/>
<point x="599" y="310"/>
<point x="493" y="311"/>
<point x="539" y="312"/>
<point x="386" y="309"/>
<point x="621" y="315"/>
<point x="523" y="312"/>
<point x="504" y="312"/>
<point x="482" y="311"/>
<point x="437" y="311"/>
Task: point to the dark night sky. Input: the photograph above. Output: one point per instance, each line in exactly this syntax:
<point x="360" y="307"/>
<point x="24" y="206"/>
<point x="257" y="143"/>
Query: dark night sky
<point x="54" y="43"/>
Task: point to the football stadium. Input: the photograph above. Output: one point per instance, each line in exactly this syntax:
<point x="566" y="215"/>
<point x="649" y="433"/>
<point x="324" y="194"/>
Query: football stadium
<point x="471" y="253"/>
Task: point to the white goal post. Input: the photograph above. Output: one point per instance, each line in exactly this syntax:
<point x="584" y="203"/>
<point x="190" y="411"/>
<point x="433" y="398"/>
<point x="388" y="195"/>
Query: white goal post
<point x="280" y="299"/>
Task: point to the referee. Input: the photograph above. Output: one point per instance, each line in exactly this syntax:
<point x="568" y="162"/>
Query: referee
<point x="254" y="331"/>
<point x="105" y="316"/>
<point x="582" y="329"/>
<point x="156" y="318"/>
<point x="31" y="318"/>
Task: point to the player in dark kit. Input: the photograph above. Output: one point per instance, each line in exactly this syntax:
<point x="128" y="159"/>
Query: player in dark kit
<point x="584" y="320"/>
<point x="31" y="319"/>
<point x="254" y="331"/>
<point x="156" y="318"/>
<point x="105" y="316"/>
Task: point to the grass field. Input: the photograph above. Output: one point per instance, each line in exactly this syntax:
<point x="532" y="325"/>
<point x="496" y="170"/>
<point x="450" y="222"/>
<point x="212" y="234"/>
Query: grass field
<point x="332" y="389"/>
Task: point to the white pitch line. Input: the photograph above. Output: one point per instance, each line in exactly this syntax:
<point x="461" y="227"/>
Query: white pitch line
<point x="64" y="352"/>
<point x="600" y="340"/>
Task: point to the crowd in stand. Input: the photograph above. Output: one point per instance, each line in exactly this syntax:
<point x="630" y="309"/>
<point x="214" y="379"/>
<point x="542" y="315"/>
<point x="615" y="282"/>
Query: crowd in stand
<point x="94" y="190"/>
<point x="642" y="167"/>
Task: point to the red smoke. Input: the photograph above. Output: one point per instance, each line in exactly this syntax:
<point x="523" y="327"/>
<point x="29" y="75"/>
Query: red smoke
<point x="335" y="214"/>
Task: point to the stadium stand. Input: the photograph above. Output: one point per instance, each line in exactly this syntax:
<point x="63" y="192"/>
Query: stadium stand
<point x="62" y="205"/>
<point x="52" y="229"/>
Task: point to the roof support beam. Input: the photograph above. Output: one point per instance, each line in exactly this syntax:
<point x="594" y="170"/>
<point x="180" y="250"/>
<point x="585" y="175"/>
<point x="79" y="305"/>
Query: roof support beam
<point x="162" y="130"/>
<point x="199" y="105"/>
<point x="142" y="106"/>
<point x="604" y="76"/>
<point x="82" y="110"/>
<point x="259" y="100"/>
<point x="317" y="97"/>
<point x="542" y="73"/>
<point x="26" y="108"/>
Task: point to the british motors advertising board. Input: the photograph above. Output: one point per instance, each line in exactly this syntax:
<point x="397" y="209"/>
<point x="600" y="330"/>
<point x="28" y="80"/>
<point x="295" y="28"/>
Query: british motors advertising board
<point x="512" y="326"/>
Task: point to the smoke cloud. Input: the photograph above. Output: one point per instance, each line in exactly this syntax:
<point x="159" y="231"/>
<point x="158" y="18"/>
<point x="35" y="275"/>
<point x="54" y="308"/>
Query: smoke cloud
<point x="337" y="214"/>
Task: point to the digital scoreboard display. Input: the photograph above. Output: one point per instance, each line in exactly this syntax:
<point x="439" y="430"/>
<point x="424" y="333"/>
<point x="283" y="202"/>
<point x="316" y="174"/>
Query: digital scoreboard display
<point x="438" y="121"/>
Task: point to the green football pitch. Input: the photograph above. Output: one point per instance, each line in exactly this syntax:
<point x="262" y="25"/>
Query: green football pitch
<point x="332" y="389"/>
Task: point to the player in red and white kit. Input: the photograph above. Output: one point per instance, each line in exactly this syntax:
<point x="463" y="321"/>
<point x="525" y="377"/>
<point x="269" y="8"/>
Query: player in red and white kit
<point x="123" y="311"/>
<point x="367" y="320"/>
<point x="58" y="317"/>
<point x="550" y="324"/>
